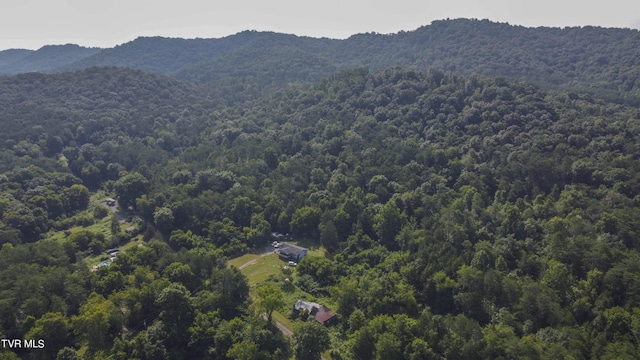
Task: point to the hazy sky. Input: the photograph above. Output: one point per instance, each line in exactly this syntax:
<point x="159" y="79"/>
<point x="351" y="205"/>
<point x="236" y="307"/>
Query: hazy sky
<point x="31" y="24"/>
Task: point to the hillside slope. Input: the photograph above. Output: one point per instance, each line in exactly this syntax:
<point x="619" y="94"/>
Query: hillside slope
<point x="46" y="59"/>
<point x="606" y="60"/>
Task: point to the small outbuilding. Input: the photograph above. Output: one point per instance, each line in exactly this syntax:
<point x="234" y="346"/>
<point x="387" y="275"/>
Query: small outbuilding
<point x="320" y="313"/>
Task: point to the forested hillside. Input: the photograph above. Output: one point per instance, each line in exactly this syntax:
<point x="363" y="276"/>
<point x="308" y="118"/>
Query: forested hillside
<point x="159" y="55"/>
<point x="604" y="60"/>
<point x="461" y="217"/>
<point x="46" y="59"/>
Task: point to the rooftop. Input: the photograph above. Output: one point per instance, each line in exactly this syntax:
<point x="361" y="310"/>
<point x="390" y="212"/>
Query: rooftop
<point x="290" y="249"/>
<point x="319" y="312"/>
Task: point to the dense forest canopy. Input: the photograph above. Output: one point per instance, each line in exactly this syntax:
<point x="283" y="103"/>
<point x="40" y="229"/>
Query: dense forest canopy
<point x="456" y="215"/>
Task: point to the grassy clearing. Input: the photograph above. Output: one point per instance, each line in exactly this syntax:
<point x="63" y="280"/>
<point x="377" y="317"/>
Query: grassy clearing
<point x="239" y="261"/>
<point x="102" y="226"/>
<point x="263" y="268"/>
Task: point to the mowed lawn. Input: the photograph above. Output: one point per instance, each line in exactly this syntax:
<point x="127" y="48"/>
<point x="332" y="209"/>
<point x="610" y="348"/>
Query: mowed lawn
<point x="239" y="261"/>
<point x="257" y="269"/>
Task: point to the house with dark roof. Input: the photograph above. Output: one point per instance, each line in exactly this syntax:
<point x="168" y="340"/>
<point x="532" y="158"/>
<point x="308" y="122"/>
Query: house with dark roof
<point x="320" y="313"/>
<point x="289" y="252"/>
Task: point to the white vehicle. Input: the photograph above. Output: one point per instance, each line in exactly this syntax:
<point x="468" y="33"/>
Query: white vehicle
<point x="291" y="263"/>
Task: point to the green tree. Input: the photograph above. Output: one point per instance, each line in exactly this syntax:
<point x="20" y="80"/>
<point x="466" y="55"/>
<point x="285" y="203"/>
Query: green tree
<point x="76" y="198"/>
<point x="177" y="312"/>
<point x="242" y="210"/>
<point x="419" y="349"/>
<point x="163" y="218"/>
<point x="244" y="350"/>
<point x="98" y="320"/>
<point x="270" y="298"/>
<point x="55" y="330"/>
<point x="181" y="273"/>
<point x="389" y="347"/>
<point x="329" y="235"/>
<point x="311" y="339"/>
<point x="364" y="343"/>
<point x="270" y="157"/>
<point x="227" y="334"/>
<point x="145" y="207"/>
<point x="305" y="220"/>
<point x="68" y="353"/>
<point x="233" y="289"/>
<point x="131" y="186"/>
<point x="201" y="331"/>
<point x="319" y="268"/>
<point x="90" y="175"/>
<point x="387" y="224"/>
<point x="261" y="230"/>
<point x="218" y="181"/>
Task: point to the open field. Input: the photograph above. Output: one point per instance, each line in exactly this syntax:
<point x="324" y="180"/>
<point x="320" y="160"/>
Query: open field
<point x="262" y="268"/>
<point x="239" y="261"/>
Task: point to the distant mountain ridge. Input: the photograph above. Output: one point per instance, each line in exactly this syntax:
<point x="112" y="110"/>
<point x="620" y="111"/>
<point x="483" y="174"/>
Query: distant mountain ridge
<point x="573" y="57"/>
<point x="156" y="54"/>
<point x="50" y="58"/>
